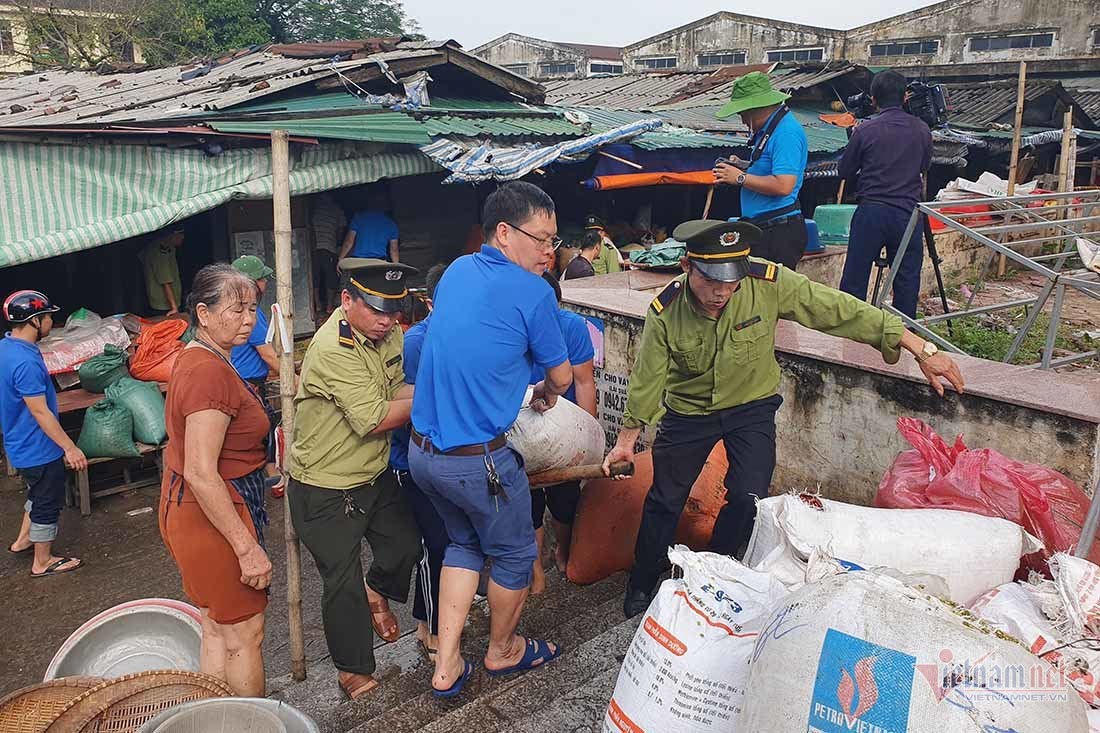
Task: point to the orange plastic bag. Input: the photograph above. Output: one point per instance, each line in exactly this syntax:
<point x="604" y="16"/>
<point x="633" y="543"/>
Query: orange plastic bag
<point x="610" y="513"/>
<point x="934" y="475"/>
<point x="158" y="345"/>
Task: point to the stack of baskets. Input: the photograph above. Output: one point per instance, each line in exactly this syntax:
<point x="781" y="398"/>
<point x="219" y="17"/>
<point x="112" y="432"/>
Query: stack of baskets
<point x="91" y="705"/>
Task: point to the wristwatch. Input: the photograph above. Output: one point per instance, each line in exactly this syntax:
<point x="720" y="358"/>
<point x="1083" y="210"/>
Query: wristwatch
<point x="741" y="180"/>
<point x="927" y="352"/>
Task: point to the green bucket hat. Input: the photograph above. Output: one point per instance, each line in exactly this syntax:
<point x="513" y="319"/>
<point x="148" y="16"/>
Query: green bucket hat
<point x="253" y="266"/>
<point x="751" y="91"/>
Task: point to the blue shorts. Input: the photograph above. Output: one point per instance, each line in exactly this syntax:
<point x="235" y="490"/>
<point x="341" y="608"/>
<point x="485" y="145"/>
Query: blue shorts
<point x="45" y="497"/>
<point x="480" y="525"/>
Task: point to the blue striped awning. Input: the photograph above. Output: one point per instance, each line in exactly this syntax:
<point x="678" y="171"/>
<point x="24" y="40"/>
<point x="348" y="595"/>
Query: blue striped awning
<point x="473" y="163"/>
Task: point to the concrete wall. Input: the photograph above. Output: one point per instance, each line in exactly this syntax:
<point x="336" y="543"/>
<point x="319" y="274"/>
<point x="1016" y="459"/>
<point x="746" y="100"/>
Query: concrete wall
<point x="837" y="428"/>
<point x="513" y="49"/>
<point x="728" y="32"/>
<point x="954" y="23"/>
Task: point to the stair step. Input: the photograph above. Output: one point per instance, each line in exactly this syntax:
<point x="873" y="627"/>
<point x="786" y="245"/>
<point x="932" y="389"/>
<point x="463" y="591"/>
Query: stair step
<point x="555" y="616"/>
<point x="567" y="613"/>
<point x="578" y="710"/>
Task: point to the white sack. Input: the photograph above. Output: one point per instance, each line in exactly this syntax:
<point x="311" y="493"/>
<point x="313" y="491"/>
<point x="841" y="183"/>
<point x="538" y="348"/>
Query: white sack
<point x="863" y="652"/>
<point x="971" y="553"/>
<point x="686" y="668"/>
<point x="562" y="437"/>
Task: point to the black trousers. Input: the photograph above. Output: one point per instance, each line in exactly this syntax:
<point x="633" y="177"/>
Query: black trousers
<point x="783" y="242"/>
<point x="679" y="451"/>
<point x="561" y="499"/>
<point x="433" y="542"/>
<point x="332" y="524"/>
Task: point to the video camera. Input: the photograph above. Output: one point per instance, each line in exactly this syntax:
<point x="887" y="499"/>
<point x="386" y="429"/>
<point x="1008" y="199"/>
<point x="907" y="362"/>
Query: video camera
<point x="925" y="101"/>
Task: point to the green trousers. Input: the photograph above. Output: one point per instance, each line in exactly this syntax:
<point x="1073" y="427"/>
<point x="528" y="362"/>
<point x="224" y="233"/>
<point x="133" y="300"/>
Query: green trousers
<point x="333" y="524"/>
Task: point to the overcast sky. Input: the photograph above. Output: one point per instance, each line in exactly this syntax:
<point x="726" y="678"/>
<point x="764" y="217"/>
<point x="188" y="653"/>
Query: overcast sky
<point x="622" y="22"/>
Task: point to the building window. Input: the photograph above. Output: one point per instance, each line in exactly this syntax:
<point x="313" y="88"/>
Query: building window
<point x="797" y="54"/>
<point x="664" y="62"/>
<point x="7" y="45"/>
<point x="1096" y="38"/>
<point x="520" y="69"/>
<point x="1002" y="43"/>
<point x="599" y="67"/>
<point x="732" y="58"/>
<point x="905" y="48"/>
<point x="558" y="68"/>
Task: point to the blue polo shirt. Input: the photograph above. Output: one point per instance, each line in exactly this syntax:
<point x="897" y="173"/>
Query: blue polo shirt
<point x="399" y="440"/>
<point x="246" y="360"/>
<point x="784" y="155"/>
<point x="23" y="374"/>
<point x="574" y="329"/>
<point x="373" y="233"/>
<point x="493" y="322"/>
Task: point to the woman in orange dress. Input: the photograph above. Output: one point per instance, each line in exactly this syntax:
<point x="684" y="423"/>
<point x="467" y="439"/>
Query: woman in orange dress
<point x="211" y="507"/>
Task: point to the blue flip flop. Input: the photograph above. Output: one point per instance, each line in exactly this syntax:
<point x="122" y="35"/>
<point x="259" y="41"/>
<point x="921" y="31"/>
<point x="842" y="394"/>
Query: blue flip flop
<point x="537" y="654"/>
<point x="456" y="688"/>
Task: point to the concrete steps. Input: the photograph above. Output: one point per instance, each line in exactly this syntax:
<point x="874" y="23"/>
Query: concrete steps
<point x="570" y="694"/>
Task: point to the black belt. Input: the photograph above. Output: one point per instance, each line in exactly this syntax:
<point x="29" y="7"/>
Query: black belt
<point x="463" y="450"/>
<point x="771" y="218"/>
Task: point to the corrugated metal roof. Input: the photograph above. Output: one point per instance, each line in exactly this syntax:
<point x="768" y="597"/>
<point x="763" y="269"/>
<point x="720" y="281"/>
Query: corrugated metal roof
<point x="983" y="104"/>
<point x="334" y="101"/>
<point x="668" y="137"/>
<point x="1089" y="101"/>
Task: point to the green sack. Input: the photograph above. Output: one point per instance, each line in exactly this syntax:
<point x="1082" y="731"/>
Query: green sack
<point x="146" y="404"/>
<point x="188" y="335"/>
<point x="665" y="254"/>
<point x="108" y="431"/>
<point x="100" y="372"/>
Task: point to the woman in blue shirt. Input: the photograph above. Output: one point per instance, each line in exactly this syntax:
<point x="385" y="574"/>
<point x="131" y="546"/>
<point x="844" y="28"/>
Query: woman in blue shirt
<point x="255" y="358"/>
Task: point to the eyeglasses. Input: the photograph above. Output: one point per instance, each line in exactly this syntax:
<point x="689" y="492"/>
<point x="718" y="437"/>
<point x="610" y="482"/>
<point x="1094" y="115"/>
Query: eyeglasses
<point x="553" y="242"/>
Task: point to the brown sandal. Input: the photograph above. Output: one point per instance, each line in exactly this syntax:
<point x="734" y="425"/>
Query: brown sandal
<point x="377" y="608"/>
<point x="360" y="685"/>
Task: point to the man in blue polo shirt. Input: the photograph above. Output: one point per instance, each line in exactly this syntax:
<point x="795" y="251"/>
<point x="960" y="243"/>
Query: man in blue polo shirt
<point x="371" y="233"/>
<point x="34" y="441"/>
<point x="494" y="321"/>
<point x="772" y="179"/>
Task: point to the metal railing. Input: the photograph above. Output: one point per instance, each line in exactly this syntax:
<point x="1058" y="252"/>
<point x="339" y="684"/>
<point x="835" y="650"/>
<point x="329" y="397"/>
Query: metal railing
<point x="1054" y="219"/>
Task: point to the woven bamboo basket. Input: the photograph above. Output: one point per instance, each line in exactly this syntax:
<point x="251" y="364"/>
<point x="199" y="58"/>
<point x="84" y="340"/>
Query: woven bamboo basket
<point x="123" y="705"/>
<point x="32" y="709"/>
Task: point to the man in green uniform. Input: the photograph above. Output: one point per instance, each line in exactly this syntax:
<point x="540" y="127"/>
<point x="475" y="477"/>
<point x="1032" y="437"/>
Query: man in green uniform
<point x="608" y="259"/>
<point x="162" y="273"/>
<point x="707" y="364"/>
<point x="352" y="393"/>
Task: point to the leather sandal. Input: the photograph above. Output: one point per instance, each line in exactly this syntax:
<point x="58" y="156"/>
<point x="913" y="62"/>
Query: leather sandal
<point x="379" y="608"/>
<point x="357" y="685"/>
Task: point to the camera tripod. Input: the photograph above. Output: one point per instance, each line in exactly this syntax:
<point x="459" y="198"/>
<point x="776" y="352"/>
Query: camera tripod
<point x="882" y="264"/>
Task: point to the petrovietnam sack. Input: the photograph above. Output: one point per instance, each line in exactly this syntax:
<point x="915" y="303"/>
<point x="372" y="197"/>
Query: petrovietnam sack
<point x="970" y="552"/>
<point x="108" y="431"/>
<point x="158" y="345"/>
<point x="863" y="652"/>
<point x="100" y="372"/>
<point x="686" y="669"/>
<point x="1044" y="502"/>
<point x="610" y="512"/>
<point x="146" y="404"/>
<point x="562" y="437"/>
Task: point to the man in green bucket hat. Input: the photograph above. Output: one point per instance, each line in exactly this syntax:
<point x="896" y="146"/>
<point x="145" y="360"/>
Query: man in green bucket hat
<point x="772" y="177"/>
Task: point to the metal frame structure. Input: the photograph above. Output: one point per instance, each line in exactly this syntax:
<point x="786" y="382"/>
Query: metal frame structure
<point x="1051" y="218"/>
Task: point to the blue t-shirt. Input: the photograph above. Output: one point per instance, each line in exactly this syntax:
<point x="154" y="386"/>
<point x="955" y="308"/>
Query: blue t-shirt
<point x="399" y="440"/>
<point x="784" y="155"/>
<point x="246" y="360"/>
<point x="493" y="322"/>
<point x="574" y="329"/>
<point x="373" y="233"/>
<point x="23" y="373"/>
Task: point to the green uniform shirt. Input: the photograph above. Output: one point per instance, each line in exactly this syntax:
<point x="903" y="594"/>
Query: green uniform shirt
<point x="342" y="396"/>
<point x="607" y="261"/>
<point x="694" y="365"/>
<point x="160" y="266"/>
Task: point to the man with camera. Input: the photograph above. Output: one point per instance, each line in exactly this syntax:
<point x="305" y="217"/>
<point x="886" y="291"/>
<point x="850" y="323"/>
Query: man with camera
<point x="889" y="152"/>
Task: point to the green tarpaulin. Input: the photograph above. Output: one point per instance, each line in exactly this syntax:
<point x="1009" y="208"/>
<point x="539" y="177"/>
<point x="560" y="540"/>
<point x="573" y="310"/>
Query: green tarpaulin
<point x="56" y="199"/>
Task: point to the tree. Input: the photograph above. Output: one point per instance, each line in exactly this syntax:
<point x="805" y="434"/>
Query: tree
<point x="299" y="21"/>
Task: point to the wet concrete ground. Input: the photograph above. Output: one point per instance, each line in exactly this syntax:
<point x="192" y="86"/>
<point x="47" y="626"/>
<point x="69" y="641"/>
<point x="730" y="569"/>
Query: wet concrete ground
<point x="124" y="560"/>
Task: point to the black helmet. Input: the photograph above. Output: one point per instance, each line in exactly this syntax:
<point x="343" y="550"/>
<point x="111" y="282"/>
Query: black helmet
<point x="23" y="305"/>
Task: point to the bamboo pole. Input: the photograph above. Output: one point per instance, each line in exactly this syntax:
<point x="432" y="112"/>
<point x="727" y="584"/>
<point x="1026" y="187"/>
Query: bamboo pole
<point x="1013" y="165"/>
<point x="1064" y="160"/>
<point x="284" y="278"/>
<point x="710" y="198"/>
<point x="840" y="192"/>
